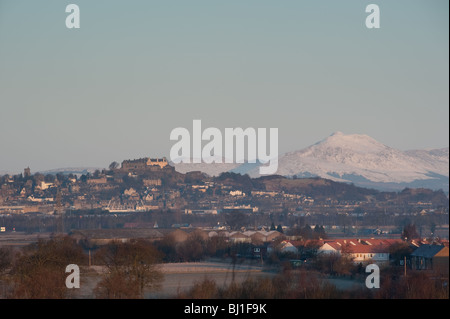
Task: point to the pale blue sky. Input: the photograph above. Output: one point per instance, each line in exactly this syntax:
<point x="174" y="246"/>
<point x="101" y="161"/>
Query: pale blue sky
<point x="115" y="88"/>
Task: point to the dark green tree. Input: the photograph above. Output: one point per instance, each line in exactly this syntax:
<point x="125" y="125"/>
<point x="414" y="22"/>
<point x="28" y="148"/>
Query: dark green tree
<point x="280" y="228"/>
<point x="409" y="232"/>
<point x="113" y="165"/>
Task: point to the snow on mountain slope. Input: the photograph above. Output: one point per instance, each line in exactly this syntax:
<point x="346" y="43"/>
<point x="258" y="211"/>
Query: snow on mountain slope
<point x="361" y="155"/>
<point x="436" y="160"/>
<point x="355" y="158"/>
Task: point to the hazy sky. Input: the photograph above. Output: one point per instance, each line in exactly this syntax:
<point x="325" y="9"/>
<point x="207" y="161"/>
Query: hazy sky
<point x="115" y="88"/>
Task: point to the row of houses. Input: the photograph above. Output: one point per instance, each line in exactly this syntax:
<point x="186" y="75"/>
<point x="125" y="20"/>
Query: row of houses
<point x="96" y="237"/>
<point x="364" y="251"/>
<point x="423" y="257"/>
<point x="360" y="250"/>
<point x="249" y="236"/>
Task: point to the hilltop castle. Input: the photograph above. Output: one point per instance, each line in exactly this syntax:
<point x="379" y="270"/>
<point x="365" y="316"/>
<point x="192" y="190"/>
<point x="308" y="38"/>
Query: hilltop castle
<point x="144" y="163"/>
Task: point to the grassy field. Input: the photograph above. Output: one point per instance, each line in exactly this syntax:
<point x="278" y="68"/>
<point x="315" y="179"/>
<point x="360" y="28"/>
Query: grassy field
<point x="178" y="277"/>
<point x="20" y="239"/>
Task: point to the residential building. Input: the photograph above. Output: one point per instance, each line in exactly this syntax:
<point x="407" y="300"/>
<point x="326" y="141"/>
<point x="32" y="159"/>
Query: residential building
<point x="360" y="250"/>
<point x="431" y="257"/>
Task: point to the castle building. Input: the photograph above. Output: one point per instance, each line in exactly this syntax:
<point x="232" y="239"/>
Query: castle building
<point x="144" y="163"/>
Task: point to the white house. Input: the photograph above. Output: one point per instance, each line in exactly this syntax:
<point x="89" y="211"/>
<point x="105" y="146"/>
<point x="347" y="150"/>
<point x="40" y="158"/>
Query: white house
<point x="283" y="247"/>
<point x="43" y="185"/>
<point x="360" y="250"/>
<point x="237" y="193"/>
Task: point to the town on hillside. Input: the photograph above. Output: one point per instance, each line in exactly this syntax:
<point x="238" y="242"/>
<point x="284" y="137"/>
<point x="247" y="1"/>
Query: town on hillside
<point x="152" y="186"/>
<point x="270" y="222"/>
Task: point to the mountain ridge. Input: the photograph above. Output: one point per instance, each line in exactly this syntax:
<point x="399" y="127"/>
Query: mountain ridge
<point x="362" y="160"/>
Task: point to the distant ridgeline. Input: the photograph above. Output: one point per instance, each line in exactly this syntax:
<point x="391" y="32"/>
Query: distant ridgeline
<point x="145" y="163"/>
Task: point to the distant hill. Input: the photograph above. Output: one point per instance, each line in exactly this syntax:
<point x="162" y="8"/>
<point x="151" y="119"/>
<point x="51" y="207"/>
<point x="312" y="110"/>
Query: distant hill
<point x="213" y="169"/>
<point x="72" y="170"/>
<point x="357" y="159"/>
<point x="362" y="160"/>
<point x="322" y="189"/>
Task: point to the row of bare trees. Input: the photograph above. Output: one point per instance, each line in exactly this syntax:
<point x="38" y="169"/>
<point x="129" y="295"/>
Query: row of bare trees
<point x="130" y="269"/>
<point x="288" y="285"/>
<point x="311" y="284"/>
<point x="39" y="270"/>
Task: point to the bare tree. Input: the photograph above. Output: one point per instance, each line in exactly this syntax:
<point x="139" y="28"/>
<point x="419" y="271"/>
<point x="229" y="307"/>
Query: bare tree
<point x="131" y="267"/>
<point x="39" y="271"/>
<point x="6" y="256"/>
<point x="193" y="249"/>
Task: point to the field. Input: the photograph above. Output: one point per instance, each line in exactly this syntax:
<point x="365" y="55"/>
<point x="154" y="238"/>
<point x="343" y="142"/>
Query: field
<point x="182" y="276"/>
<point x="179" y="277"/>
<point x="20" y="239"/>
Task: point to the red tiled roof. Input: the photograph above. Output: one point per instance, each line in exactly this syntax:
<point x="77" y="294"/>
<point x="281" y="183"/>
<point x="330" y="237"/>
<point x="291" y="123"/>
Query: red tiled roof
<point x="353" y="245"/>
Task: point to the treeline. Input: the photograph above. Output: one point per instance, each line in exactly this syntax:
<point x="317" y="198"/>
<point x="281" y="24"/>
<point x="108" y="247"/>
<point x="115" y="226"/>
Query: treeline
<point x="96" y="218"/>
<point x="38" y="271"/>
<point x="309" y="284"/>
<point x="131" y="269"/>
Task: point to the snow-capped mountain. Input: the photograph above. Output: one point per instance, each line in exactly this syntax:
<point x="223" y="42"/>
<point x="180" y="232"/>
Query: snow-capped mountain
<point x="362" y="160"/>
